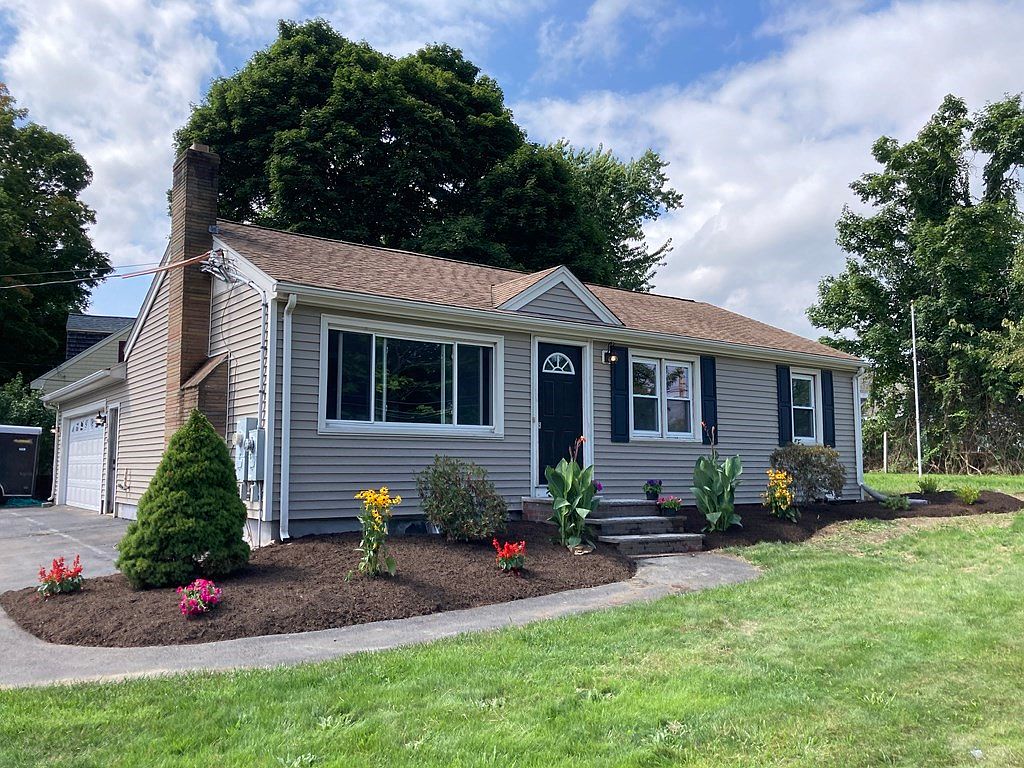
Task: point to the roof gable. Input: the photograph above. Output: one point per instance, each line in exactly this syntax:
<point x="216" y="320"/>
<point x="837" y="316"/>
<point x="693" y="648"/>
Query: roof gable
<point x="529" y="290"/>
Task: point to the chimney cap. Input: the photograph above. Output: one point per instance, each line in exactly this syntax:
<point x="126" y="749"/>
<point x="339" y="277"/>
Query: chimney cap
<point x="200" y="147"/>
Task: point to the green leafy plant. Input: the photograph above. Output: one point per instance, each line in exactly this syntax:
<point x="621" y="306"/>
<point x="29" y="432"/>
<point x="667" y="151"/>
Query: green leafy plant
<point x="897" y="503"/>
<point x="967" y="494"/>
<point x="928" y="484"/>
<point x="571" y="488"/>
<point x="816" y="470"/>
<point x="190" y="519"/>
<point x="714" y="487"/>
<point x="457" y="497"/>
<point x="377" y="506"/>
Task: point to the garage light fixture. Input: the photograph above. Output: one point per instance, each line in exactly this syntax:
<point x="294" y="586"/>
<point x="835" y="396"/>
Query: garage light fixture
<point x="100" y="420"/>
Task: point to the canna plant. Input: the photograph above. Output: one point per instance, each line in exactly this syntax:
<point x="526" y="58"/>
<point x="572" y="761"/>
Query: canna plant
<point x="574" y="496"/>
<point x="714" y="487"/>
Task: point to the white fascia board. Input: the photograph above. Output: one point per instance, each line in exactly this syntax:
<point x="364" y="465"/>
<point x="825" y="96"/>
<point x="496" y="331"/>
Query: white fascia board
<point x="245" y="268"/>
<point x="112" y="338"/>
<point x="513" y="321"/>
<point x="90" y="383"/>
<point x="562" y="276"/>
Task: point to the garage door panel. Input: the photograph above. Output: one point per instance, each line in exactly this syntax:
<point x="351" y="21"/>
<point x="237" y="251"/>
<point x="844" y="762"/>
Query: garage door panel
<point x="83" y="475"/>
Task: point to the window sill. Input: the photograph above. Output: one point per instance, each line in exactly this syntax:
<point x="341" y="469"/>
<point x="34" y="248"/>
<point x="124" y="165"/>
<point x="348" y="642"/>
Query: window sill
<point x="650" y="438"/>
<point x="410" y="430"/>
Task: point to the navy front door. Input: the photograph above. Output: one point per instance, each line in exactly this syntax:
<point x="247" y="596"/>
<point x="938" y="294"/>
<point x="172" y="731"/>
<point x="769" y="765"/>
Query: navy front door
<point x="559" y="403"/>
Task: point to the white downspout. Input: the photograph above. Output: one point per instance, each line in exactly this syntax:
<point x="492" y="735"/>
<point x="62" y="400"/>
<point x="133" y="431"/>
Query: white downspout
<point x="267" y="511"/>
<point x="286" y="412"/>
<point x="858" y="439"/>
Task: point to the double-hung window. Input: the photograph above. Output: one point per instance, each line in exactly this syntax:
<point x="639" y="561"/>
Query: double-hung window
<point x="662" y="397"/>
<point x="398" y="380"/>
<point x="804" y="388"/>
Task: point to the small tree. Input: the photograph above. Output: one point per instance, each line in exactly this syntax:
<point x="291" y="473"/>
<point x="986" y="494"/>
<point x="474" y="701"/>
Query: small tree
<point x="191" y="518"/>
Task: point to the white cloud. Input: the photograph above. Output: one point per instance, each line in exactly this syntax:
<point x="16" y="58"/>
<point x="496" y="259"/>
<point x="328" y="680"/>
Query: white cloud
<point x="601" y="34"/>
<point x="764" y="152"/>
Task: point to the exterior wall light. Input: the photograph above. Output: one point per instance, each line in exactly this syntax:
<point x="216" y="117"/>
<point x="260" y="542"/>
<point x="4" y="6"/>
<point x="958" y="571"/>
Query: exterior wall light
<point x="609" y="356"/>
<point x="100" y="420"/>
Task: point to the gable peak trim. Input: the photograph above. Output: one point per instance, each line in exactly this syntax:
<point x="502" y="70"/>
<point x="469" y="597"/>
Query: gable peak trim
<point x="561" y="276"/>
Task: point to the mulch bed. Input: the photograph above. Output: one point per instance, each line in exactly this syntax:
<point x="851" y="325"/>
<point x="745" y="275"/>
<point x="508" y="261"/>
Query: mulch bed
<point x="759" y="526"/>
<point x="301" y="586"/>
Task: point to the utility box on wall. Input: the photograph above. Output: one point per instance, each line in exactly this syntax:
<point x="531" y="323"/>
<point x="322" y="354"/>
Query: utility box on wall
<point x="254" y="443"/>
<point x="240" y="445"/>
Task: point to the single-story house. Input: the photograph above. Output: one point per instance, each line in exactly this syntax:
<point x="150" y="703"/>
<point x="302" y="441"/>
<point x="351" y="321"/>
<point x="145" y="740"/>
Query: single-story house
<point x="343" y="366"/>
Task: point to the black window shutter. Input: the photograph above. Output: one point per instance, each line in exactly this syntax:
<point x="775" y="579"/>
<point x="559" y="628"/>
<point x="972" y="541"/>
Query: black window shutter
<point x="828" y="409"/>
<point x="620" y="395"/>
<point x="785" y="395"/>
<point x="708" y="398"/>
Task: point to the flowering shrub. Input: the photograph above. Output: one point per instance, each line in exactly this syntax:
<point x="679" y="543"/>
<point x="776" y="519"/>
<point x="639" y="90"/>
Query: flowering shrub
<point x="374" y="519"/>
<point x="511" y="556"/>
<point x="670" y="503"/>
<point x="200" y="596"/>
<point x="60" y="579"/>
<point x="778" y="496"/>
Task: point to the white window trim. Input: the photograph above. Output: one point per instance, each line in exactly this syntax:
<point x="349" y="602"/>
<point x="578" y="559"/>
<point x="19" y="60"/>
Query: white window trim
<point x="412" y="333"/>
<point x="815" y="376"/>
<point x="661" y="359"/>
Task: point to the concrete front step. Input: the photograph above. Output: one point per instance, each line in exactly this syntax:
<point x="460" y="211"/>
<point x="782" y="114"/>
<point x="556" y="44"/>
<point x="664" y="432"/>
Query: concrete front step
<point x="639" y="545"/>
<point x="616" y="526"/>
<point x="538" y="509"/>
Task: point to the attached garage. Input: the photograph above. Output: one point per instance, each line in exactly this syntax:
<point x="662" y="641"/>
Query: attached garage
<point x="83" y="469"/>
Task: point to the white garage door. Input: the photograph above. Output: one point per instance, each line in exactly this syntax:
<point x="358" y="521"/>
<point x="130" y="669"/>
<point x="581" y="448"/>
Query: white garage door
<point x="83" y="478"/>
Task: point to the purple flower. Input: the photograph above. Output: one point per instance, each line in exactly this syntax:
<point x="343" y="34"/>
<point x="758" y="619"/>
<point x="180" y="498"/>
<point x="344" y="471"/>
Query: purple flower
<point x="598" y="486"/>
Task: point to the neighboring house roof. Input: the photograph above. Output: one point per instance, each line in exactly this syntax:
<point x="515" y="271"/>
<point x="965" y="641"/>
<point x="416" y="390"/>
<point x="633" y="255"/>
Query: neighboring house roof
<point x="98" y="323"/>
<point x="98" y="356"/>
<point x="334" y="264"/>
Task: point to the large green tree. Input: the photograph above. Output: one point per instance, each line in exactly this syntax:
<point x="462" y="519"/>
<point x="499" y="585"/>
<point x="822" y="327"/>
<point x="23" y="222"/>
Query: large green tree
<point x="43" y="238"/>
<point x="321" y="135"/>
<point x="954" y="249"/>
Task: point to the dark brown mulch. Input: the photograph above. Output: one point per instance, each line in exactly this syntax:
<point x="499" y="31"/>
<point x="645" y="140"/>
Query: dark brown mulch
<point x="300" y="586"/>
<point x="759" y="526"/>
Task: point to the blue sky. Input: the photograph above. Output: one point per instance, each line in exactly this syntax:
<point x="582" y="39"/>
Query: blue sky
<point x="765" y="110"/>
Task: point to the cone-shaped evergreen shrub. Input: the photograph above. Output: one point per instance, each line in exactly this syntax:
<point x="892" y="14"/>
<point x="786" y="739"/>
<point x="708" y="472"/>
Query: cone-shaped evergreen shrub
<point x="190" y="519"/>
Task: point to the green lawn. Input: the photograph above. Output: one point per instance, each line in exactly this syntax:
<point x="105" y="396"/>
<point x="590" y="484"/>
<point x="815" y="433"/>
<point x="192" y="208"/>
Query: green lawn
<point x="894" y="482"/>
<point x="887" y="644"/>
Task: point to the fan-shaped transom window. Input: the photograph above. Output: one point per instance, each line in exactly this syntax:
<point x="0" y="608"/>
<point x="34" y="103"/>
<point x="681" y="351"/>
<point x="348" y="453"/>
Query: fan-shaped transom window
<point x="557" y="362"/>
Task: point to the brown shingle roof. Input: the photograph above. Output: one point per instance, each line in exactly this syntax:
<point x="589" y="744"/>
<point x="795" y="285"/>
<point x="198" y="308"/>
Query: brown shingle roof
<point x="334" y="264"/>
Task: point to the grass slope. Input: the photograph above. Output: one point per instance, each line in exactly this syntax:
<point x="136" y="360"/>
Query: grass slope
<point x="884" y="644"/>
<point x="895" y="482"/>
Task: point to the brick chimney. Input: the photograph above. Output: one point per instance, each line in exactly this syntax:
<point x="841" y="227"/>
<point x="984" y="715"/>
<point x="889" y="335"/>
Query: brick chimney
<point x="193" y="212"/>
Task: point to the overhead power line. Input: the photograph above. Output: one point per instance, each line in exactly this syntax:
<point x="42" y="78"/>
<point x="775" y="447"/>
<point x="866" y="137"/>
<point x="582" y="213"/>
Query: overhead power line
<point x="79" y="269"/>
<point x="165" y="268"/>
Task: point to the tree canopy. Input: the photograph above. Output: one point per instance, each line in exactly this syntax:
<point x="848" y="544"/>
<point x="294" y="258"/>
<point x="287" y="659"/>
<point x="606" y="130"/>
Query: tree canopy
<point x="322" y="135"/>
<point x="43" y="237"/>
<point x="956" y="250"/>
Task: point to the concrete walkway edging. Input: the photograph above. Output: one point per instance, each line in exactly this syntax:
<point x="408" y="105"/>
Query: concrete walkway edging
<point x="29" y="661"/>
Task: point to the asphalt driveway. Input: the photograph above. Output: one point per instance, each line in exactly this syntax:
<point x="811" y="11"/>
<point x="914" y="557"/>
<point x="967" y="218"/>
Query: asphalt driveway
<point x="32" y="536"/>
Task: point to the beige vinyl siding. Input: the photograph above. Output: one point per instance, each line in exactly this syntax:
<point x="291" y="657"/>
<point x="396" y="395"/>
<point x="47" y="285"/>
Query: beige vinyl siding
<point x="236" y="320"/>
<point x="327" y="470"/>
<point x="560" y="303"/>
<point x="96" y="358"/>
<point x="141" y="431"/>
<point x="747" y="426"/>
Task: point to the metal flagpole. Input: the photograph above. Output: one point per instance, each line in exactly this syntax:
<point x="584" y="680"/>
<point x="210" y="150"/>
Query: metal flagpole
<point x="917" y="399"/>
